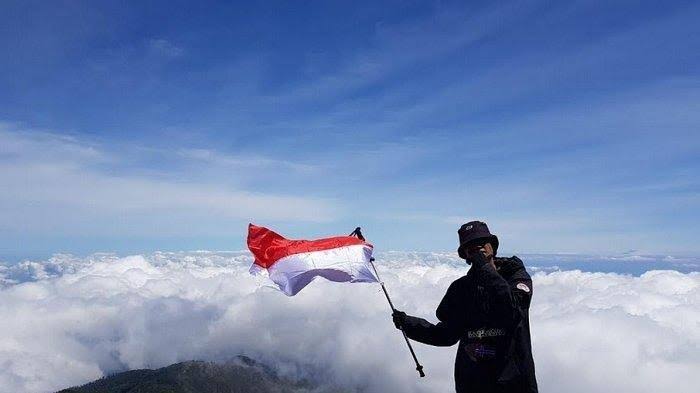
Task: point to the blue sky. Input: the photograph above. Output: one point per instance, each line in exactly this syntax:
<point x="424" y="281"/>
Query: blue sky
<point x="567" y="126"/>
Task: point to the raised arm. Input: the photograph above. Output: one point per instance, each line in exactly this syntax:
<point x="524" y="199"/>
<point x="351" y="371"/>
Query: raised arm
<point x="506" y="300"/>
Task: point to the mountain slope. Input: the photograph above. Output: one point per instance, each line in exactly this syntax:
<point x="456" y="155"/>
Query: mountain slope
<point x="240" y="375"/>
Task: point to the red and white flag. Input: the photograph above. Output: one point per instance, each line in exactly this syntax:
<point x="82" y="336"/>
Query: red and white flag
<point x="293" y="264"/>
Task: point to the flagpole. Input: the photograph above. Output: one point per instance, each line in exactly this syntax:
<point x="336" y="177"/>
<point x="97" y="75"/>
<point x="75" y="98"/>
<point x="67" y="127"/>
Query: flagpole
<point x="419" y="368"/>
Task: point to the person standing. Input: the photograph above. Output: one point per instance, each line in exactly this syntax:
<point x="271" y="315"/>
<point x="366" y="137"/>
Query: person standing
<point x="487" y="312"/>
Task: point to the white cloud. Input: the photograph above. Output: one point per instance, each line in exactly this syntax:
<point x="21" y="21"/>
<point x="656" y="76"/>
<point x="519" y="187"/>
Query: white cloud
<point x="229" y="162"/>
<point x="53" y="182"/>
<point x="165" y="48"/>
<point x="592" y="332"/>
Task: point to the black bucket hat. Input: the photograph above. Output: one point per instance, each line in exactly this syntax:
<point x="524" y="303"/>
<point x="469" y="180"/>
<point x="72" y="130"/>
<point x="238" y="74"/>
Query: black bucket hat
<point x="474" y="232"/>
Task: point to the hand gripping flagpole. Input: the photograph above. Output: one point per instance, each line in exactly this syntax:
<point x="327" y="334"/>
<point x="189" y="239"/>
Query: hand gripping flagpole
<point x="357" y="232"/>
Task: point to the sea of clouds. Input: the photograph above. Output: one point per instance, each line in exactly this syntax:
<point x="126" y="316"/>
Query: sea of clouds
<point x="68" y="320"/>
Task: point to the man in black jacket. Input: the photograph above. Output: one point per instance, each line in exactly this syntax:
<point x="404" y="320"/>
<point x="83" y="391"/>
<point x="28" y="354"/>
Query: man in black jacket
<point x="487" y="312"/>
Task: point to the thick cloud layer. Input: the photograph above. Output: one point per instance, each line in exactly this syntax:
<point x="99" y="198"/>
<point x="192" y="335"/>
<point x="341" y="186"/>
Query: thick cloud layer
<point x="67" y="321"/>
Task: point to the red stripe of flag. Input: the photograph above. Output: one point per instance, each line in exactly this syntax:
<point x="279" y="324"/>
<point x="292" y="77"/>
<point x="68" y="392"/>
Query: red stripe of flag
<point x="268" y="247"/>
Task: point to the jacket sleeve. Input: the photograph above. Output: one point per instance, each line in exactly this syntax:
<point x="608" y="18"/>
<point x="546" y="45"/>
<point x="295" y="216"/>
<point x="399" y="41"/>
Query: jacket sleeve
<point x="446" y="332"/>
<point x="521" y="289"/>
<point x="505" y="301"/>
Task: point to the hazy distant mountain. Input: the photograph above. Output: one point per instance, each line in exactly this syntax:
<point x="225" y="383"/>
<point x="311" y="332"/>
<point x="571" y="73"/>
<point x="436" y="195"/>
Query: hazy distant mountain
<point x="240" y="375"/>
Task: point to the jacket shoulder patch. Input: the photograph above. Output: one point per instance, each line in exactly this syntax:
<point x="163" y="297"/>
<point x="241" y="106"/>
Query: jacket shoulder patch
<point x="523" y="287"/>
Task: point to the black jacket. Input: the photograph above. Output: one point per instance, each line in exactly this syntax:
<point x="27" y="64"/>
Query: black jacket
<point x="487" y="312"/>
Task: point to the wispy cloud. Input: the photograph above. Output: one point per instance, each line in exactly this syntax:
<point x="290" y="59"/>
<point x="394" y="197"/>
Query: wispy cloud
<point x="54" y="182"/>
<point x="228" y="161"/>
<point x="513" y="112"/>
<point x="165" y="48"/>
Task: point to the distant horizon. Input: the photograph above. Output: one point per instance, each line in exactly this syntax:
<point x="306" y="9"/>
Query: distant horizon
<point x="505" y="252"/>
<point x="626" y="263"/>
